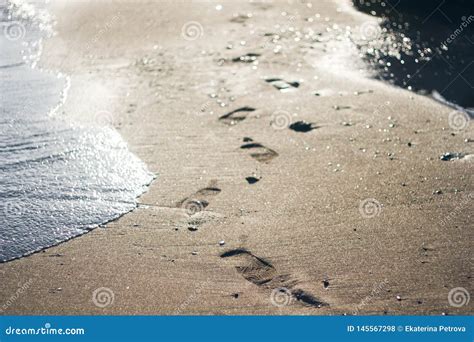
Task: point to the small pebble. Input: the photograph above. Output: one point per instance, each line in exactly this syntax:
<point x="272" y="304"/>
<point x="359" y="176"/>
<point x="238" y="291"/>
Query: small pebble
<point x="221" y="243"/>
<point x="399" y="298"/>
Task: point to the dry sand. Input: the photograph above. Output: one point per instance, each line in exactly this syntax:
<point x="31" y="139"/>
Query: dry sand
<point x="299" y="227"/>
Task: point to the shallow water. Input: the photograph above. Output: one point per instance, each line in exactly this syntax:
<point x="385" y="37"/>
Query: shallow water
<point x="424" y="45"/>
<point x="57" y="180"/>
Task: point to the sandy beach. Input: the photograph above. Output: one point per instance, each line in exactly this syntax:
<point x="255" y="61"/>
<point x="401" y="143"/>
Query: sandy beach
<point x="287" y="180"/>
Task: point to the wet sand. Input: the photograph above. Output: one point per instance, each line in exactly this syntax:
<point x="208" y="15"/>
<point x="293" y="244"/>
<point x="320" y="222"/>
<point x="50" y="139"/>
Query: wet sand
<point x="351" y="211"/>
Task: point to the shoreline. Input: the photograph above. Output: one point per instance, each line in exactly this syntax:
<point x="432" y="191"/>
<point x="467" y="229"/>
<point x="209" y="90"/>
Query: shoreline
<point x="299" y="226"/>
<point x="60" y="179"/>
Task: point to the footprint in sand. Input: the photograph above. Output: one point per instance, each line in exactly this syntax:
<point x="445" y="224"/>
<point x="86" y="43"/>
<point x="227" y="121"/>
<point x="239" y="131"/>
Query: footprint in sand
<point x="240" y="18"/>
<point x="240" y="114"/>
<point x="282" y="85"/>
<point x="337" y="107"/>
<point x="199" y="200"/>
<point x="263" y="274"/>
<point x="258" y="151"/>
<point x="247" y="58"/>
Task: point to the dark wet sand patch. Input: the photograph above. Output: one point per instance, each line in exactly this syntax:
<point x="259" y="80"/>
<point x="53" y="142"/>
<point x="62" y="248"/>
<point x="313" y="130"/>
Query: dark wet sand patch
<point x="252" y="180"/>
<point x="302" y="126"/>
<point x="307" y="298"/>
<point x="240" y="18"/>
<point x="235" y="116"/>
<point x="337" y="107"/>
<point x="259" y="152"/>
